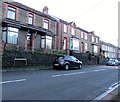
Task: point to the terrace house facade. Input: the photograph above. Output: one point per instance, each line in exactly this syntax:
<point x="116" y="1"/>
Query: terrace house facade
<point x="77" y="40"/>
<point x="108" y="50"/>
<point x="26" y="29"/>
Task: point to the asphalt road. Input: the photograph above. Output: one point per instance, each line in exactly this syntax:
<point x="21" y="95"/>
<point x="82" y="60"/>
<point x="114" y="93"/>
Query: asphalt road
<point x="84" y="84"/>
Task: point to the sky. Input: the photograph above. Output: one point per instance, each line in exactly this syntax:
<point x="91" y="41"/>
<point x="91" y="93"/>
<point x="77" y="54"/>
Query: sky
<point x="100" y="16"/>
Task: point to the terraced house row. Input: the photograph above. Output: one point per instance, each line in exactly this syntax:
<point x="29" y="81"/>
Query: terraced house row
<point x="28" y="30"/>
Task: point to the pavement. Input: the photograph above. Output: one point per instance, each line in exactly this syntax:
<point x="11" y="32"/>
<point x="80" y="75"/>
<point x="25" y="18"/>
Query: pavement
<point x="27" y="68"/>
<point x="114" y="96"/>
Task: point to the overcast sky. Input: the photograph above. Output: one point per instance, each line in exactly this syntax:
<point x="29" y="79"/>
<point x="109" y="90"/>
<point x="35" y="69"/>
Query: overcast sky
<point x="100" y="16"/>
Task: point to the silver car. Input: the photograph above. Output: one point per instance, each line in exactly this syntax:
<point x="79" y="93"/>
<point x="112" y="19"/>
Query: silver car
<point x="113" y="62"/>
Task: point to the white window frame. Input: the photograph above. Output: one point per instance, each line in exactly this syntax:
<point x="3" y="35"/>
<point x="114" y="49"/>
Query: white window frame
<point x="42" y="41"/>
<point x="30" y="18"/>
<point x="48" y="42"/>
<point x="11" y="13"/>
<point x="65" y="28"/>
<point x="72" y="30"/>
<point x="86" y="46"/>
<point x="93" y="39"/>
<point x="46" y="24"/>
<point x="12" y="35"/>
<point x="82" y="35"/>
<point x="86" y="36"/>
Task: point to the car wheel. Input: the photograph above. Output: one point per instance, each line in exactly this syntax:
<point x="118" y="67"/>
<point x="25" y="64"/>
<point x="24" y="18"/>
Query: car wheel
<point x="66" y="67"/>
<point x="80" y="66"/>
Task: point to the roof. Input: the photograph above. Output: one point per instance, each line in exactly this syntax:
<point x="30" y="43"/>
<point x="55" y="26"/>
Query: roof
<point x="17" y="4"/>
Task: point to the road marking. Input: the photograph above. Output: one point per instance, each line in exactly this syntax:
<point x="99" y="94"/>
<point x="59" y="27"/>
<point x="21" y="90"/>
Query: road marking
<point x="68" y="74"/>
<point x="110" y="89"/>
<point x="58" y="75"/>
<point x="99" y="70"/>
<point x="5" y="82"/>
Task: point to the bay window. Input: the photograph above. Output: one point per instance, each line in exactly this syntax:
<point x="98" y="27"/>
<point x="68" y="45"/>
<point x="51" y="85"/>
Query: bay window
<point x="48" y="42"/>
<point x="29" y="40"/>
<point x="75" y="44"/>
<point x="42" y="41"/>
<point x="10" y="35"/>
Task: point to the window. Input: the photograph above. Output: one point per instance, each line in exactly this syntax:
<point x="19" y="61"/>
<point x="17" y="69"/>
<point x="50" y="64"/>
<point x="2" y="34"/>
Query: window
<point x="46" y="24"/>
<point x="86" y="36"/>
<point x="73" y="31"/>
<point x="76" y="44"/>
<point x="29" y="40"/>
<point x="82" y="47"/>
<point x="86" y="46"/>
<point x="68" y="57"/>
<point x="73" y="58"/>
<point x="96" y="40"/>
<point x="4" y="34"/>
<point x="42" y="41"/>
<point x="92" y="38"/>
<point x="95" y="49"/>
<point x="11" y="13"/>
<point x="65" y="43"/>
<point x="30" y="19"/>
<point x="82" y="34"/>
<point x="10" y="35"/>
<point x="48" y="42"/>
<point x="65" y="28"/>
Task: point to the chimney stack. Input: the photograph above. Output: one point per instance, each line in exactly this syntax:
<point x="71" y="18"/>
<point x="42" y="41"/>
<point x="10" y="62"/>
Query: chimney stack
<point x="45" y="9"/>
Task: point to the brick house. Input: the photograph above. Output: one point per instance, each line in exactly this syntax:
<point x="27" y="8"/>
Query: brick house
<point x="108" y="50"/>
<point x="26" y="29"/>
<point x="77" y="40"/>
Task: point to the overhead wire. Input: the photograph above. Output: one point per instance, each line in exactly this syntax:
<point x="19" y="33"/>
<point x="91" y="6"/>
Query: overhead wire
<point x="90" y="9"/>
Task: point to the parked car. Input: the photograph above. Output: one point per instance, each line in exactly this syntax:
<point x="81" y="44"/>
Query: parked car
<point x="113" y="62"/>
<point x="66" y="62"/>
<point x="119" y="62"/>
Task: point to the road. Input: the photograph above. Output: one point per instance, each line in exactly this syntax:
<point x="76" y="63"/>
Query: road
<point x="84" y="84"/>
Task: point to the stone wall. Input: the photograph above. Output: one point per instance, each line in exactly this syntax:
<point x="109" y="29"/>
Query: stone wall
<point x="84" y="58"/>
<point x="42" y="59"/>
<point x="33" y="59"/>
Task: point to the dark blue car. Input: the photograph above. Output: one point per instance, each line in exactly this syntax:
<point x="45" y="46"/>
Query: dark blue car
<point x="66" y="62"/>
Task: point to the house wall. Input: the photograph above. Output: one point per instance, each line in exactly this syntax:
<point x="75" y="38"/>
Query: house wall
<point x="55" y="27"/>
<point x="1" y="49"/>
<point x="38" y="22"/>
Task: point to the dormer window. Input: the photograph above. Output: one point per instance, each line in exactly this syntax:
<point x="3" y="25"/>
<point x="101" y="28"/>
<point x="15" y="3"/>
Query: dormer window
<point x="11" y="13"/>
